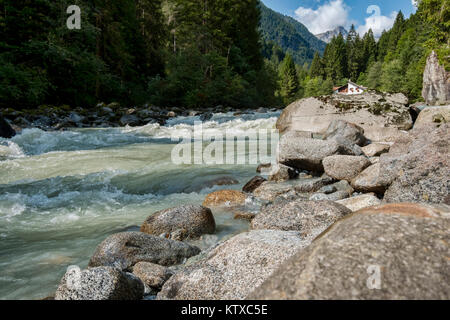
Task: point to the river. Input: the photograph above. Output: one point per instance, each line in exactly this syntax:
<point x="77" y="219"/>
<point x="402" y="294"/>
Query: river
<point x="63" y="192"/>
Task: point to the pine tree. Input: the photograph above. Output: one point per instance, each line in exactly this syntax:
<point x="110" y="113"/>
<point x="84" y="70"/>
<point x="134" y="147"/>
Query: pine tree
<point x="317" y="68"/>
<point x="289" y="84"/>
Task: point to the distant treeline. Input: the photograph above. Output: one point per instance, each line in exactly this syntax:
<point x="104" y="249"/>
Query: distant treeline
<point x="193" y="54"/>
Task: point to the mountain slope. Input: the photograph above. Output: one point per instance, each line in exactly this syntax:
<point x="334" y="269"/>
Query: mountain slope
<point x="327" y="36"/>
<point x="290" y="35"/>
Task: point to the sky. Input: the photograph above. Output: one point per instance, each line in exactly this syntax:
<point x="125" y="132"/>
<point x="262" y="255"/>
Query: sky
<point x="324" y="15"/>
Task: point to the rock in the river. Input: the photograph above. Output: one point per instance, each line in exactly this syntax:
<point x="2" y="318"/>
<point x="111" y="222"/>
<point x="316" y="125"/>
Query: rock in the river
<point x="283" y="173"/>
<point x="152" y="275"/>
<point x="436" y="81"/>
<point x="5" y="129"/>
<point x="221" y="181"/>
<point x="101" y="283"/>
<point x="309" y="217"/>
<point x="124" y="250"/>
<point x="194" y="220"/>
<point x="397" y="252"/>
<point x="375" y="149"/>
<point x="365" y="110"/>
<point x="253" y="184"/>
<point x="307" y="154"/>
<point x="420" y="170"/>
<point x="224" y="198"/>
<point x="345" y="133"/>
<point x="433" y="117"/>
<point x="264" y="168"/>
<point x="345" y="167"/>
<point x="370" y="180"/>
<point x="360" y="202"/>
<point x="234" y="268"/>
<point x="335" y="196"/>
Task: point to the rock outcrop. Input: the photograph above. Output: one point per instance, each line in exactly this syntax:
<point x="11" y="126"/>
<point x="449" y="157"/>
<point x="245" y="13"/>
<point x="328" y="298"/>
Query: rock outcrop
<point x="189" y="221"/>
<point x="380" y="252"/>
<point x="234" y="268"/>
<point x="101" y="283"/>
<point x="365" y="110"/>
<point x="436" y="81"/>
<point x="124" y="250"/>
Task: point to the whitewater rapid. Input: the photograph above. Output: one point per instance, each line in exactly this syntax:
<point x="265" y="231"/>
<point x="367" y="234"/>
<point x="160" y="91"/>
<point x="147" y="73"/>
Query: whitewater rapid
<point x="62" y="193"/>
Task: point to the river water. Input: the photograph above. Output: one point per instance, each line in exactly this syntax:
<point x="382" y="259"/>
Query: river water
<point x="62" y="193"/>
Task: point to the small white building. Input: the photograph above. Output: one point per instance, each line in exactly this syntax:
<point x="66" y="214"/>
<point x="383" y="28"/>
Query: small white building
<point x="350" y="88"/>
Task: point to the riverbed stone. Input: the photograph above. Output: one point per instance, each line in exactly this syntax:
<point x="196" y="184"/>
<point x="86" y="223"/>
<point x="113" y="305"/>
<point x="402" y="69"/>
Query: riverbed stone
<point x="283" y="173"/>
<point x="393" y="252"/>
<point x="345" y="133"/>
<point x="6" y="131"/>
<point x="253" y="184"/>
<point x="194" y="220"/>
<point x="360" y="202"/>
<point x="345" y="167"/>
<point x="370" y="180"/>
<point x="375" y="149"/>
<point x="234" y="268"/>
<point x="123" y="250"/>
<point x="225" y="198"/>
<point x="308" y="217"/>
<point x="335" y="196"/>
<point x="152" y="275"/>
<point x="100" y="283"/>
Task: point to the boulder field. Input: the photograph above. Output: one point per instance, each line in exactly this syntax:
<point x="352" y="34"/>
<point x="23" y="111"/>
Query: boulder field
<point x="356" y="207"/>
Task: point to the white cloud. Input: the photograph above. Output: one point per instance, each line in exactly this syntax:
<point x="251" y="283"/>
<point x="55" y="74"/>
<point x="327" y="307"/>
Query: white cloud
<point x="377" y="22"/>
<point x="325" y="18"/>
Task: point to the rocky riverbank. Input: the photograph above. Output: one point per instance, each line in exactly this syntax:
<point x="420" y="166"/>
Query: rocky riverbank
<point x="106" y="116"/>
<point x="344" y="202"/>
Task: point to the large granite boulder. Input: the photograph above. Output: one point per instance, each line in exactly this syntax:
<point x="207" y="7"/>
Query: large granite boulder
<point x="365" y="110"/>
<point x="436" y="81"/>
<point x="193" y="221"/>
<point x="396" y="251"/>
<point x="307" y="154"/>
<point x="370" y="180"/>
<point x="419" y="168"/>
<point x="309" y="217"/>
<point x="376" y="149"/>
<point x="433" y="117"/>
<point x="152" y="275"/>
<point x="124" y="250"/>
<point x="345" y="133"/>
<point x="283" y="173"/>
<point x="385" y="135"/>
<point x="345" y="167"/>
<point x="101" y="283"/>
<point x="234" y="268"/>
<point x="5" y="129"/>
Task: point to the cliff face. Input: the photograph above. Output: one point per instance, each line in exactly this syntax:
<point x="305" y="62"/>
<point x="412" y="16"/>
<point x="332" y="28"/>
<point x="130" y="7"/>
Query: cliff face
<point x="436" y="81"/>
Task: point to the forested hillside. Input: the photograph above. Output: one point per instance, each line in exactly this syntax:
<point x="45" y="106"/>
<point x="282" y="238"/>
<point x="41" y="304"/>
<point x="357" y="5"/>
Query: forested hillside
<point x="196" y="54"/>
<point x="292" y="36"/>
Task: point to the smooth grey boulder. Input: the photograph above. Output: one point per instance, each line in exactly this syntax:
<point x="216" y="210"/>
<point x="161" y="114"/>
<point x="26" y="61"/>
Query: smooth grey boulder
<point x="345" y="133"/>
<point x="345" y="167"/>
<point x="338" y="195"/>
<point x="234" y="268"/>
<point x="307" y="154"/>
<point x="101" y="283"/>
<point x="370" y="180"/>
<point x="124" y="250"/>
<point x="309" y="217"/>
<point x="192" y="220"/>
<point x="397" y="251"/>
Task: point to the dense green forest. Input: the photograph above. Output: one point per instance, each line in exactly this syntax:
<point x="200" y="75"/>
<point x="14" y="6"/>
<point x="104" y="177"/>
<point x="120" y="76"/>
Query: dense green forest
<point x="196" y="54"/>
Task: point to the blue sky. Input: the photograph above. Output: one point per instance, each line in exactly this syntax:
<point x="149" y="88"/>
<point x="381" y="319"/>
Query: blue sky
<point x="323" y="15"/>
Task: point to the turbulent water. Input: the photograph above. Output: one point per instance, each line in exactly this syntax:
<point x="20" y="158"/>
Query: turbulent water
<point x="62" y="193"/>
